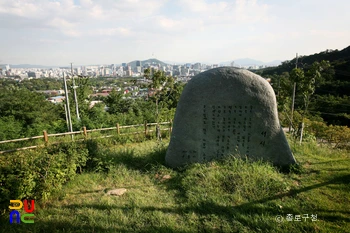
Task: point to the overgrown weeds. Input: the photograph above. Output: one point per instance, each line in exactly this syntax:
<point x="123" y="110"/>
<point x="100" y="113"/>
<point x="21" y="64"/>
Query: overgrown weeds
<point x="230" y="195"/>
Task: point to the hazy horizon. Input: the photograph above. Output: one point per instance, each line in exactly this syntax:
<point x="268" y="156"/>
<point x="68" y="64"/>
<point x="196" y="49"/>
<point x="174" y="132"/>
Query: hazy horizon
<point x="238" y="61"/>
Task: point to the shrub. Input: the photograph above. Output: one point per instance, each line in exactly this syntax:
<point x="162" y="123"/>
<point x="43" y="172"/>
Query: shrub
<point x="337" y="136"/>
<point x="38" y="173"/>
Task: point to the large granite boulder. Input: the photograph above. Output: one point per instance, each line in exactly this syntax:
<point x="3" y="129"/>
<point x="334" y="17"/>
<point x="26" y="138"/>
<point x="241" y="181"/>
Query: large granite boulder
<point x="227" y="111"/>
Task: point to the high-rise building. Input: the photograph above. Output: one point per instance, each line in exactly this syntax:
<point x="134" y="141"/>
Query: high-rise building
<point x="129" y="72"/>
<point x="32" y="74"/>
<point x="83" y="68"/>
<point x="138" y="67"/>
<point x="113" y="66"/>
<point x="197" y="66"/>
<point x="184" y="71"/>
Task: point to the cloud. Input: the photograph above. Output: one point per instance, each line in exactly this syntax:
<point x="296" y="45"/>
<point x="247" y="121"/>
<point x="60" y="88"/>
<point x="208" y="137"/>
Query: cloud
<point x="128" y="17"/>
<point x="112" y="32"/>
<point x="75" y="20"/>
<point x="330" y="33"/>
<point x="250" y="11"/>
<point x="124" y="8"/>
<point x="60" y="23"/>
<point x="227" y="12"/>
<point x="51" y="41"/>
<point x="201" y="6"/>
<point x="176" y="29"/>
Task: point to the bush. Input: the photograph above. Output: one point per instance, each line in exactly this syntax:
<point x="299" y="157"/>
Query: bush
<point x="37" y="174"/>
<point x="337" y="136"/>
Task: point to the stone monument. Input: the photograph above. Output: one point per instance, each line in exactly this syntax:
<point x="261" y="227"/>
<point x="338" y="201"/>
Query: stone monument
<point x="227" y="111"/>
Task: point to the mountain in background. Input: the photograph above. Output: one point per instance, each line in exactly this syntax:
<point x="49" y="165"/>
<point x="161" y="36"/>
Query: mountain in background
<point x="251" y="62"/>
<point x="151" y="61"/>
<point x="241" y="62"/>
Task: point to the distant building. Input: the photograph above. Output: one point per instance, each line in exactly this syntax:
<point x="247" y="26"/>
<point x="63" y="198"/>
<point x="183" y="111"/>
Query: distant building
<point x="31" y="74"/>
<point x="84" y="71"/>
<point x="100" y="94"/>
<point x="184" y="71"/>
<point x="138" y="67"/>
<point x="197" y="66"/>
<point x="56" y="99"/>
<point x="128" y="71"/>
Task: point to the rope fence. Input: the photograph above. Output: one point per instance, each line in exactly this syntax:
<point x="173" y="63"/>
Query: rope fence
<point x="85" y="133"/>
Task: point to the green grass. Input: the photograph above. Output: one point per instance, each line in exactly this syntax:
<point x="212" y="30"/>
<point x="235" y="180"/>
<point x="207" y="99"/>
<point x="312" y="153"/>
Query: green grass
<point x="232" y="195"/>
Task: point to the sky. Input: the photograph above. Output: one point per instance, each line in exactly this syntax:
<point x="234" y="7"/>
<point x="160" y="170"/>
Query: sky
<point x="57" y="32"/>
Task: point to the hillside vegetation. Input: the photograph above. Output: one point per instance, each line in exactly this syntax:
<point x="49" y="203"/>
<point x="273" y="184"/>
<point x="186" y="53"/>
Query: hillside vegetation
<point x="331" y="99"/>
<point x="232" y="195"/>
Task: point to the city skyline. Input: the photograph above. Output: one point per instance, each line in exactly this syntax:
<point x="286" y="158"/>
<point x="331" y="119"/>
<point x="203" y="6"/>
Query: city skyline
<point x="245" y="62"/>
<point x="86" y="32"/>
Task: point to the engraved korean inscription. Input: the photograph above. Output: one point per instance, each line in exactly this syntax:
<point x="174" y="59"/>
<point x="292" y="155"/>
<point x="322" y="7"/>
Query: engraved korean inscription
<point x="231" y="126"/>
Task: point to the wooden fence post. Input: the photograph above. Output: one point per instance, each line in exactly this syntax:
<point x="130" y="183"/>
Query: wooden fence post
<point x="85" y="132"/>
<point x="146" y="128"/>
<point x="46" y="138"/>
<point x="170" y="127"/>
<point x="118" y="129"/>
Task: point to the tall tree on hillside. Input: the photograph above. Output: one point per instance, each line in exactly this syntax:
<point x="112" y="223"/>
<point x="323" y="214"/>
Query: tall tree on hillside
<point x="306" y="83"/>
<point x="83" y="90"/>
<point x="160" y="85"/>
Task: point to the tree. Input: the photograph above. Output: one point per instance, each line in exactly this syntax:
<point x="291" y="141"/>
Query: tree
<point x="306" y="82"/>
<point x="10" y="128"/>
<point x="31" y="110"/>
<point x="160" y="85"/>
<point x="83" y="91"/>
<point x="114" y="102"/>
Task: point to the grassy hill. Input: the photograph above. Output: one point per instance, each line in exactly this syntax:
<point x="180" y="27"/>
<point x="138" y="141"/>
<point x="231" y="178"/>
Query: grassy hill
<point x="232" y="195"/>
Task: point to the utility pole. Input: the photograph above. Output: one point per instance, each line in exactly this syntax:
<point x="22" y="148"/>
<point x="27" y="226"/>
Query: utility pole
<point x="67" y="105"/>
<point x="279" y="86"/>
<point x="75" y="93"/>
<point x="66" y="114"/>
<point x="294" y="87"/>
